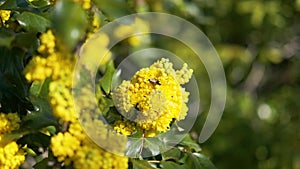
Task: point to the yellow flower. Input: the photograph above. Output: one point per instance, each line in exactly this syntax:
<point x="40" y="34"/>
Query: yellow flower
<point x="9" y="122"/>
<point x="153" y="98"/>
<point x="126" y="128"/>
<point x="53" y="64"/>
<point x="61" y="100"/>
<point x="4" y="15"/>
<point x="11" y="156"/>
<point x="86" y="4"/>
<point x="91" y="156"/>
<point x="73" y="146"/>
<point x="47" y="43"/>
<point x="64" y="146"/>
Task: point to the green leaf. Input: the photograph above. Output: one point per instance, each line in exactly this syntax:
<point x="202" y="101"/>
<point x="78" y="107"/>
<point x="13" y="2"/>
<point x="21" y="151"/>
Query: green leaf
<point x="104" y="102"/>
<point x="134" y="147"/>
<point x="10" y="39"/>
<point x="37" y="120"/>
<point x="204" y="161"/>
<point x="24" y="5"/>
<point x="40" y="3"/>
<point x="6" y="37"/>
<point x="112" y="116"/>
<point x="173" y="153"/>
<point x="171" y="165"/>
<point x="199" y="161"/>
<point x="15" y="135"/>
<point x="141" y="164"/>
<point x="190" y="144"/>
<point x="43" y="117"/>
<point x="70" y="22"/>
<point x="13" y="85"/>
<point x="42" y="164"/>
<point x="113" y="8"/>
<point x="32" y="22"/>
<point x="9" y="4"/>
<point x="35" y="140"/>
<point x="51" y="129"/>
<point x="40" y="89"/>
<point x="106" y="80"/>
<point x="25" y="40"/>
<point x="193" y="162"/>
<point x="153" y="145"/>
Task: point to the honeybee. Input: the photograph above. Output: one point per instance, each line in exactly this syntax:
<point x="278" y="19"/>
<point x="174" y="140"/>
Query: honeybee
<point x="154" y="81"/>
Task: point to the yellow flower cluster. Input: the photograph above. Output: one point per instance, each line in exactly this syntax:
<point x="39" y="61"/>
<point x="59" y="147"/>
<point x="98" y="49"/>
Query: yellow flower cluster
<point x="55" y="66"/>
<point x="47" y="43"/>
<point x="91" y="121"/>
<point x="4" y="15"/>
<point x="124" y="127"/>
<point x="95" y="23"/>
<point x="182" y="76"/>
<point x="86" y="4"/>
<point x="61" y="100"/>
<point x="11" y="156"/>
<point x="9" y="122"/>
<point x="52" y="64"/>
<point x="73" y="146"/>
<point x="153" y="98"/>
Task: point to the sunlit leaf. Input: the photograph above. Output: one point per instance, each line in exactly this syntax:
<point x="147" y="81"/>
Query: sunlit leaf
<point x="106" y="80"/>
<point x="134" y="147"/>
<point x="40" y="89"/>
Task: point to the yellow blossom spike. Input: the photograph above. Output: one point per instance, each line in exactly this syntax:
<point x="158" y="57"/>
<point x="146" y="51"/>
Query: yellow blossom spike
<point x="10" y="154"/>
<point x="156" y="97"/>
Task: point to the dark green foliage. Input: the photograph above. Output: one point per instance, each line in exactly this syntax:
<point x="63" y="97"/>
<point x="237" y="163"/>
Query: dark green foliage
<point x="13" y="86"/>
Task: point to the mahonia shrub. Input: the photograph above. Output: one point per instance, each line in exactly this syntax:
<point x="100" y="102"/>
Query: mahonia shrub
<point x="40" y="126"/>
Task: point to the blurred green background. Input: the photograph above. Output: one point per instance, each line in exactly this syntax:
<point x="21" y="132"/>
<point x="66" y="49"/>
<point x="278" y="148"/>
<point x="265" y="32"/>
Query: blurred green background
<point x="259" y="44"/>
